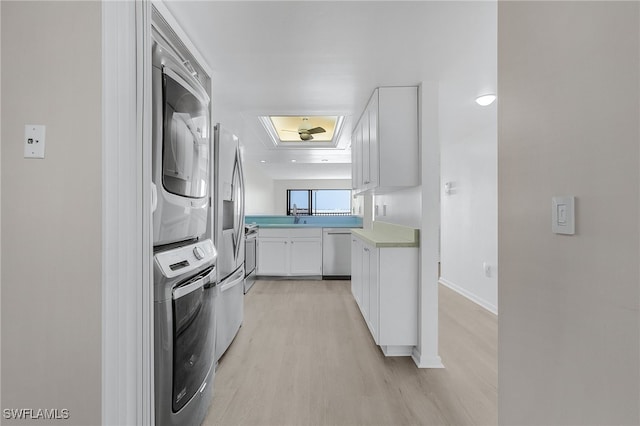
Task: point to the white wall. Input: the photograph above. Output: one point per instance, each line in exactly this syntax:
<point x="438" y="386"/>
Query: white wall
<point x="402" y="207"/>
<point x="428" y="352"/>
<point x="468" y="144"/>
<point x="569" y="332"/>
<point x="469" y="218"/>
<point x="281" y="186"/>
<point x="259" y="192"/>
<point x="51" y="209"/>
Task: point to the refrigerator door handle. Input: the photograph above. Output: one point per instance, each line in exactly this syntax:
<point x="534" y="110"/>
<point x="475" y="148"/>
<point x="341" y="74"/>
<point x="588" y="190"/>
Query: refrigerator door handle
<point x="240" y="226"/>
<point x="233" y="281"/>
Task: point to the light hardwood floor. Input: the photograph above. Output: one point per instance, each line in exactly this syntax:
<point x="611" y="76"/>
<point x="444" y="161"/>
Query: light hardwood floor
<point x="304" y="356"/>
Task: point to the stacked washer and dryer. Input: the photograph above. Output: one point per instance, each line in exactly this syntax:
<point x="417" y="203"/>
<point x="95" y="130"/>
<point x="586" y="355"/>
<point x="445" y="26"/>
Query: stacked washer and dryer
<point x="185" y="274"/>
<point x="197" y="199"/>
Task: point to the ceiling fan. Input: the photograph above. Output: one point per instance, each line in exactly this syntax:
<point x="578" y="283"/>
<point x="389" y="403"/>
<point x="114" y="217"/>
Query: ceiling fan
<point x="304" y="130"/>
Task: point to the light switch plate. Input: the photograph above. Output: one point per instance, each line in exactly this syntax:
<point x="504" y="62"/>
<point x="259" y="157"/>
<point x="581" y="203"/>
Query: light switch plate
<point x="563" y="218"/>
<point x="34" y="141"/>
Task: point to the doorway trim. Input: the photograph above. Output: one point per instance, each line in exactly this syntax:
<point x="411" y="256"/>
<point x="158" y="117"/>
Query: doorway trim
<point x="127" y="315"/>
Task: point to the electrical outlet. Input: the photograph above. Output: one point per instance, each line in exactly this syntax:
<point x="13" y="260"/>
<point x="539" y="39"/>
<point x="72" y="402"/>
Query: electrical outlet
<point x="34" y="141"/>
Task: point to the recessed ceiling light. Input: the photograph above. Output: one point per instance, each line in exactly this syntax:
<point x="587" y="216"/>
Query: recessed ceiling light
<point x="293" y="161"/>
<point x="485" y="100"/>
<point x="263" y="161"/>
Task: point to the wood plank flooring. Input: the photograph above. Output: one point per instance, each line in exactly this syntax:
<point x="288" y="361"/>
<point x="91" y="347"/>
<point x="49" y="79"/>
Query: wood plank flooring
<point x="304" y="356"/>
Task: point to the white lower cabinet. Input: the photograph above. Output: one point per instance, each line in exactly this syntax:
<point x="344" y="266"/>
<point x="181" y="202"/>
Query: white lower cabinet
<point x="289" y="252"/>
<point x="356" y="269"/>
<point x="305" y="256"/>
<point x="384" y="282"/>
<point x="272" y="256"/>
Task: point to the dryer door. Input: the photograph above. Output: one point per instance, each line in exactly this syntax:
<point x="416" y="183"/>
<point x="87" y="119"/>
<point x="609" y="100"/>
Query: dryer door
<point x="185" y="151"/>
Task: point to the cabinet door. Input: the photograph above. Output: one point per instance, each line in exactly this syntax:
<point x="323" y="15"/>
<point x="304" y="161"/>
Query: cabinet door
<point x="372" y="112"/>
<point x="366" y="156"/>
<point x="397" y="137"/>
<point x="374" y="294"/>
<point x="366" y="274"/>
<point x="356" y="269"/>
<point x="306" y="256"/>
<point x="272" y="256"/>
<point x="356" y="158"/>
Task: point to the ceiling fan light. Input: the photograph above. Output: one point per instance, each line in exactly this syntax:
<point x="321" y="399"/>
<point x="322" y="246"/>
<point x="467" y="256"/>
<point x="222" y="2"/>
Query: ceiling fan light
<point x="290" y="128"/>
<point x="485" y="100"/>
<point x="304" y="126"/>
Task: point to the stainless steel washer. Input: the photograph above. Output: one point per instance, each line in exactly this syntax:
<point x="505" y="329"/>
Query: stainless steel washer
<point x="185" y="294"/>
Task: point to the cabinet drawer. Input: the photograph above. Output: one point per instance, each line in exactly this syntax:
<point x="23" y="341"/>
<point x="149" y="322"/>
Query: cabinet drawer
<point x="305" y="232"/>
<point x="272" y="232"/>
<point x="290" y="232"/>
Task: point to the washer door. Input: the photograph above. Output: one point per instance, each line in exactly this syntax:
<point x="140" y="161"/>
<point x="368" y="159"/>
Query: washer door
<point x="193" y="343"/>
<point x="185" y="163"/>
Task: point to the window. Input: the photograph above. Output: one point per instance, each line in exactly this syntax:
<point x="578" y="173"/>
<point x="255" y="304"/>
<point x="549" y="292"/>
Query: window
<point x="298" y="202"/>
<point x="318" y="202"/>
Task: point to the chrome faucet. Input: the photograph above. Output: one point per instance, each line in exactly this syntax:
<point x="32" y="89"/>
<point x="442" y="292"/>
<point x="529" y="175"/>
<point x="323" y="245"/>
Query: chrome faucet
<point x="296" y="217"/>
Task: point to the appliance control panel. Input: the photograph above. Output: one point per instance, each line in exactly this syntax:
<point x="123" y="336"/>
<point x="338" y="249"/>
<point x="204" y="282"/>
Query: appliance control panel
<point x="198" y="253"/>
<point x="181" y="260"/>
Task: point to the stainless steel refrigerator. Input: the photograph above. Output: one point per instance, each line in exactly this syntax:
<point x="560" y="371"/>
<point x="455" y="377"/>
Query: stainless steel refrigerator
<point x="229" y="237"/>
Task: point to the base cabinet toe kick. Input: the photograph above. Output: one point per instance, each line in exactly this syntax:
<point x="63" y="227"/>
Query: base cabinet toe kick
<point x="384" y="283"/>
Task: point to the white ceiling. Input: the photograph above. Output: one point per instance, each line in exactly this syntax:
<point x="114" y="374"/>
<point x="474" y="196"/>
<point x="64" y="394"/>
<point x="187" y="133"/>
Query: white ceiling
<point x="310" y="58"/>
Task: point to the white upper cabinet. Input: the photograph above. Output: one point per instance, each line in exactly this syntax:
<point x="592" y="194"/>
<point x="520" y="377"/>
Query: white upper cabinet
<point x="356" y="159"/>
<point x="385" y="146"/>
<point x="372" y="124"/>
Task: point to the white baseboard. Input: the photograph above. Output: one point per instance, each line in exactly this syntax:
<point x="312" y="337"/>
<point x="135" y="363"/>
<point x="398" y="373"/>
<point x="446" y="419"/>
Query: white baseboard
<point x="426" y="362"/>
<point x="475" y="299"/>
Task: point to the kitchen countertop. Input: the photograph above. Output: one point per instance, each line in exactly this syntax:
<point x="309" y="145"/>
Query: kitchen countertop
<point x="304" y="221"/>
<point x="389" y="235"/>
<point x="301" y="225"/>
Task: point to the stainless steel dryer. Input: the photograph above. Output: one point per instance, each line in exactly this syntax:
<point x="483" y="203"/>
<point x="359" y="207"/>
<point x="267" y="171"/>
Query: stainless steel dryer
<point x="185" y="294"/>
<point x="181" y="148"/>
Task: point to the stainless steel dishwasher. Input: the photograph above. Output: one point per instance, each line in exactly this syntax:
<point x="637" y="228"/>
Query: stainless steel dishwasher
<point x="250" y="233"/>
<point x="336" y="253"/>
